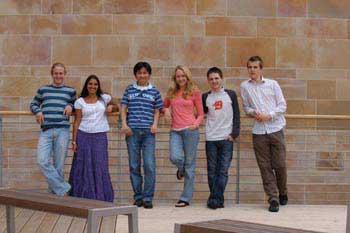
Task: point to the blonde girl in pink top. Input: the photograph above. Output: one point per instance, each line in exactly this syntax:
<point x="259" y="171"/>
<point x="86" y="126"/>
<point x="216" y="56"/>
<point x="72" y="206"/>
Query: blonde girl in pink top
<point x="184" y="103"/>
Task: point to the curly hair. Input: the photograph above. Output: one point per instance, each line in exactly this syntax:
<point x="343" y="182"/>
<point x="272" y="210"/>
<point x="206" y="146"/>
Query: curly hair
<point x="174" y="87"/>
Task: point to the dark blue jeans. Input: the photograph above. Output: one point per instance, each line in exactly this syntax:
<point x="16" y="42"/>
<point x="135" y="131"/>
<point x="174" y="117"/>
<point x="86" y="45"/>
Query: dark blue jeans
<point x="142" y="142"/>
<point x="219" y="157"/>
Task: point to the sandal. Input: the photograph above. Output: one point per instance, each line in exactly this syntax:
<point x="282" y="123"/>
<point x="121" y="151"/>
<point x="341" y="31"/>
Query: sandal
<point x="179" y="175"/>
<point x="181" y="203"/>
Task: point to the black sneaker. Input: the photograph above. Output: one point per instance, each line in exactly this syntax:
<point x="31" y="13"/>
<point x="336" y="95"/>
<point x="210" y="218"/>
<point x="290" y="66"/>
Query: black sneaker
<point x="212" y="206"/>
<point x="138" y="203"/>
<point x="283" y="199"/>
<point x="221" y="205"/>
<point x="147" y="205"/>
<point x="274" y="206"/>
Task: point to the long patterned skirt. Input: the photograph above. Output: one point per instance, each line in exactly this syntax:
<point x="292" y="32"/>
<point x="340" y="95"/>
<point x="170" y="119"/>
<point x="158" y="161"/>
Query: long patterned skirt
<point x="89" y="175"/>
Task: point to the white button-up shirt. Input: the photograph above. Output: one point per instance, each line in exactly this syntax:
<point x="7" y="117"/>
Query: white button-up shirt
<point x="264" y="97"/>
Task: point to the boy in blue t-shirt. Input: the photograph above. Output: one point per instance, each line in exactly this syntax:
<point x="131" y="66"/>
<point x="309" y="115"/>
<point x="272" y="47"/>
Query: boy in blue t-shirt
<point x="141" y="104"/>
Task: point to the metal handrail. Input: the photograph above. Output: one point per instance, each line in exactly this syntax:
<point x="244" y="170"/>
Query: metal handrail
<point x="288" y="116"/>
<point x="28" y="113"/>
<point x="242" y="161"/>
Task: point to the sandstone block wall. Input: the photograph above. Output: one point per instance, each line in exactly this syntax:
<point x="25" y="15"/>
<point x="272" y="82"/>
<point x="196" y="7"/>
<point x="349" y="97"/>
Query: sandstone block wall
<point x="305" y="45"/>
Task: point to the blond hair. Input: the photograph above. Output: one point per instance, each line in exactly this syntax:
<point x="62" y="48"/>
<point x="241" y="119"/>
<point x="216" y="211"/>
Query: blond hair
<point x="58" y="64"/>
<point x="174" y="87"/>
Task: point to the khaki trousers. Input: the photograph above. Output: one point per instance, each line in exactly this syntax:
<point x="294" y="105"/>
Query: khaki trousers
<point x="270" y="153"/>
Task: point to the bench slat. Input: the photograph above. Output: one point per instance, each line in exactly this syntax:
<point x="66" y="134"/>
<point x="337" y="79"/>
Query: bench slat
<point x="108" y="224"/>
<point x="233" y="226"/>
<point x="78" y="225"/>
<point x="23" y="218"/>
<point x="63" y="224"/>
<point x="260" y="226"/>
<point x="34" y="222"/>
<point x="48" y="223"/>
<point x="211" y="228"/>
<point x="71" y="206"/>
<point x="51" y="203"/>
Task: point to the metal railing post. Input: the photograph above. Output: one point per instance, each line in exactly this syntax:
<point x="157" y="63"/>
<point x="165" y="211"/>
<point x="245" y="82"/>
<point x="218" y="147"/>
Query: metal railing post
<point x="238" y="172"/>
<point x="1" y="155"/>
<point x="348" y="220"/>
<point x="120" y="156"/>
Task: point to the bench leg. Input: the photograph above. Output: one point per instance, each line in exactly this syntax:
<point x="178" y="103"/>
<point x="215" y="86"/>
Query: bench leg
<point x="92" y="223"/>
<point x="348" y="220"/>
<point x="133" y="222"/>
<point x="10" y="219"/>
<point x="177" y="228"/>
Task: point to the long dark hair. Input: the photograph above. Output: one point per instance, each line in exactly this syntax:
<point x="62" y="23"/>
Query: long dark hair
<point x="85" y="91"/>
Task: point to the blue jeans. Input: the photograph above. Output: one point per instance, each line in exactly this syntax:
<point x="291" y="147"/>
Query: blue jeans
<point x="142" y="141"/>
<point x="183" y="154"/>
<point x="54" y="141"/>
<point x="219" y="157"/>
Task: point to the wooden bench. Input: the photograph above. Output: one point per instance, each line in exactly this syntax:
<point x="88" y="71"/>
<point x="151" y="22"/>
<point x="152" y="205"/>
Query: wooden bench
<point x="232" y="226"/>
<point x="72" y="206"/>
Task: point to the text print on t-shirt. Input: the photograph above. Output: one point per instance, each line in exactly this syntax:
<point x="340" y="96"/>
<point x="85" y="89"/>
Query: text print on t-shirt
<point x="218" y="105"/>
<point x="144" y="95"/>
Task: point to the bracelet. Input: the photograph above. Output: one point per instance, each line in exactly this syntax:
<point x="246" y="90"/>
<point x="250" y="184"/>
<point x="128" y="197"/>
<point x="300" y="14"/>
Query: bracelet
<point x="74" y="143"/>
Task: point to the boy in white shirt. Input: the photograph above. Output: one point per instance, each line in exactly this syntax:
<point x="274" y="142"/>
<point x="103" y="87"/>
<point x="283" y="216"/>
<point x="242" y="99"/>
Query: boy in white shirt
<point x="263" y="100"/>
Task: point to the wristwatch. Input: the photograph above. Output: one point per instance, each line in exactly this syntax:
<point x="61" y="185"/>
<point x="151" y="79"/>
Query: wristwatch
<point x="74" y="142"/>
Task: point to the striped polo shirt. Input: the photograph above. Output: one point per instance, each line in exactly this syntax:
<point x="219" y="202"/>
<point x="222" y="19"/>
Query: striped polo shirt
<point x="51" y="101"/>
<point x="141" y="102"/>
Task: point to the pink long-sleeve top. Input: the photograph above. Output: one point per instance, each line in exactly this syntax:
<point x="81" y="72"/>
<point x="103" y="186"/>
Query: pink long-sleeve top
<point x="182" y="110"/>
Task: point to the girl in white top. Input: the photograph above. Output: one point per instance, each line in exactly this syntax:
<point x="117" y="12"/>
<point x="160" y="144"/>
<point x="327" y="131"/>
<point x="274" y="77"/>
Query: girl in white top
<point x="94" y="119"/>
<point x="89" y="176"/>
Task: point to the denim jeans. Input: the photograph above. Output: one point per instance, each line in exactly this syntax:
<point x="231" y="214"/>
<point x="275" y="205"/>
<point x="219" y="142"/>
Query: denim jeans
<point x="183" y="154"/>
<point x="54" y="141"/>
<point x="219" y="157"/>
<point x="142" y="141"/>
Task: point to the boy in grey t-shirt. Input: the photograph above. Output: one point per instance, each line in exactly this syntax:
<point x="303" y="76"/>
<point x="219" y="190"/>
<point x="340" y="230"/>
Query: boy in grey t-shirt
<point x="222" y="128"/>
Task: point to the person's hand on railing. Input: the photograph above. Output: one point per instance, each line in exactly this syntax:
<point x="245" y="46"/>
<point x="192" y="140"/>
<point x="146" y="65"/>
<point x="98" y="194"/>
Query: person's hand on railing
<point x="109" y="109"/>
<point x="39" y="118"/>
<point x="126" y="129"/>
<point x="262" y="117"/>
<point x="166" y="115"/>
<point x="193" y="127"/>
<point x="154" y="128"/>
<point x="67" y="111"/>
<point x="231" y="139"/>
<point x="74" y="147"/>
